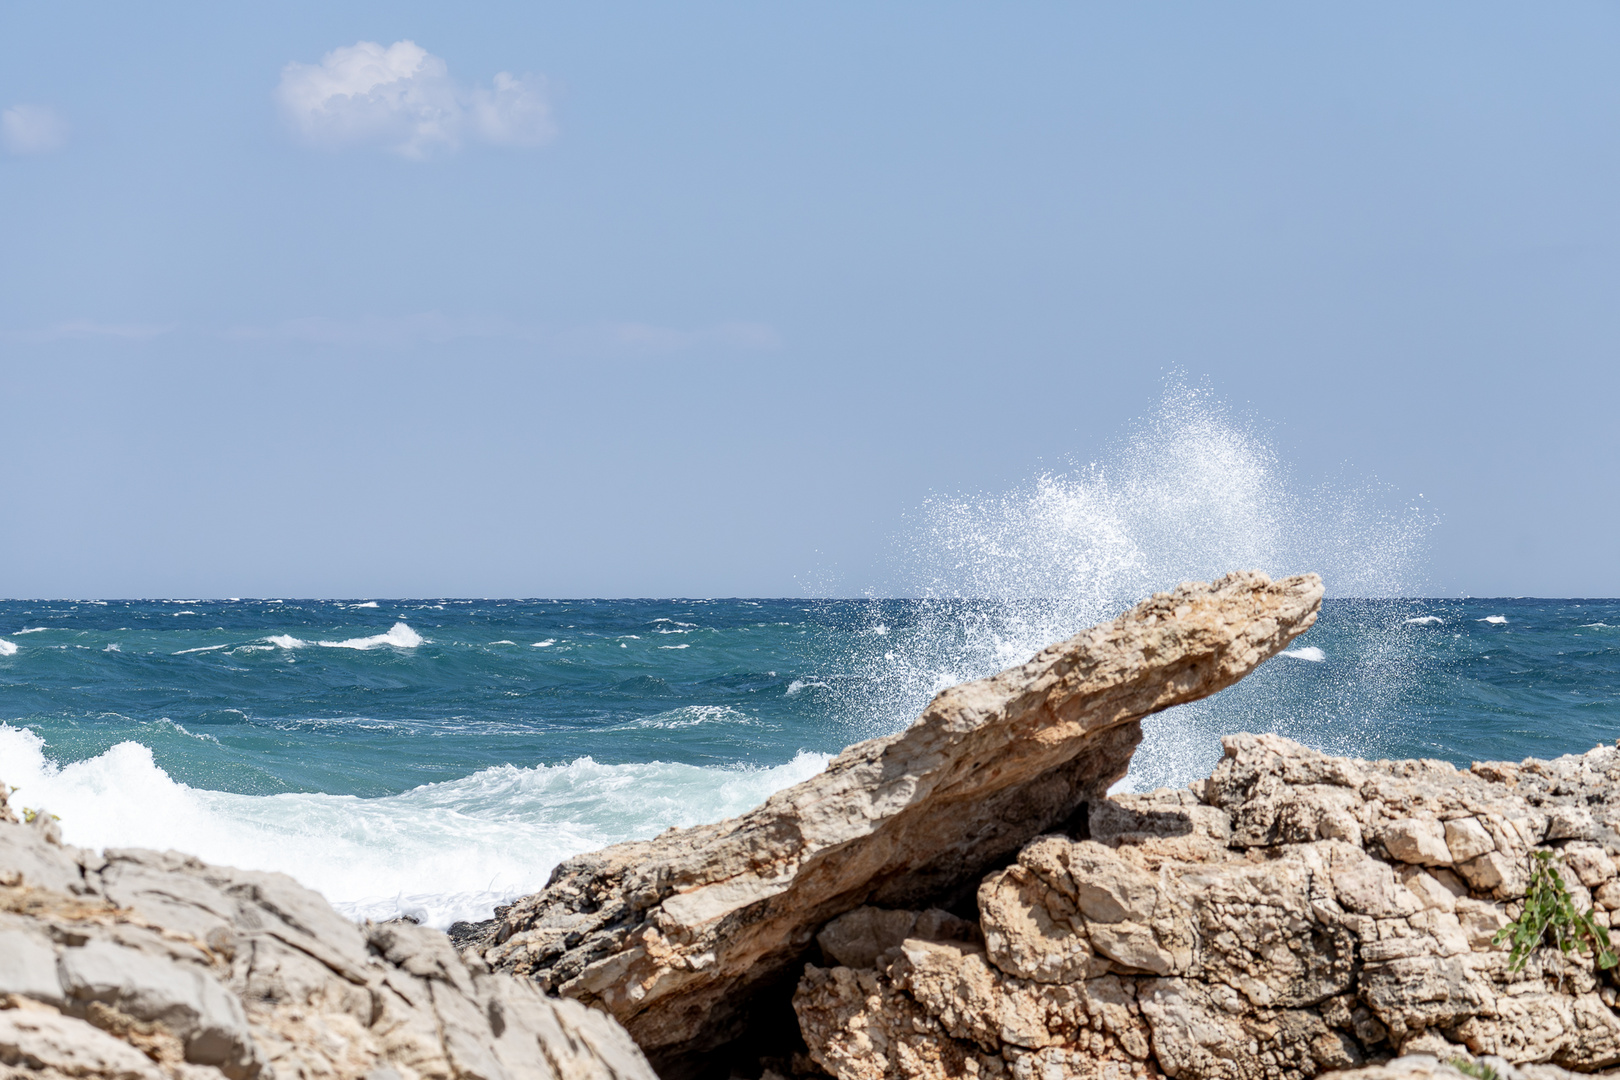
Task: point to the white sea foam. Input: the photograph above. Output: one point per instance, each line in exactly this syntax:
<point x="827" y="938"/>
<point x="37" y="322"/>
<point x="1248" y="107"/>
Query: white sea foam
<point x="503" y="641"/>
<point x="32" y="630"/>
<point x="400" y="636"/>
<point x="1309" y="652"/>
<point x="674" y="646"/>
<point x="112" y="647"/>
<point x="799" y="686"/>
<point x="8" y="648"/>
<point x="368" y="603"/>
<point x="204" y="648"/>
<point x="1426" y="620"/>
<point x="440" y="852"/>
<point x="545" y="644"/>
<point x="1495" y="619"/>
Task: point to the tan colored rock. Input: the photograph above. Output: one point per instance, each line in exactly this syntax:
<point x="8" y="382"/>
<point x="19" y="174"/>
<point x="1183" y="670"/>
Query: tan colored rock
<point x="672" y="935"/>
<point x="1467" y="839"/>
<point x="1420" y="841"/>
<point x="142" y="965"/>
<point x="1264" y="945"/>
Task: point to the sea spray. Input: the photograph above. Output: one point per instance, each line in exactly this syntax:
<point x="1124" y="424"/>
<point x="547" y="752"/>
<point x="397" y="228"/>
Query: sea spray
<point x="1188" y="494"/>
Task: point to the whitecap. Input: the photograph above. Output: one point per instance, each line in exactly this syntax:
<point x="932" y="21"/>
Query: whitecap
<point x="179" y="613"/>
<point x="441" y="852"/>
<point x="545" y="643"/>
<point x="33" y="630"/>
<point x="368" y="603"/>
<point x="1426" y="620"/>
<point x="503" y="641"/>
<point x="286" y="641"/>
<point x="399" y="636"/>
<point x="1495" y="619"/>
<point x="204" y="648"/>
<point x="674" y="646"/>
<point x="798" y="686"/>
<point x="8" y="648"/>
<point x="1309" y="652"/>
<point x="112" y="647"/>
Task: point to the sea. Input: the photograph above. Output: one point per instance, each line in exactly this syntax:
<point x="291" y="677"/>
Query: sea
<point x="435" y="757"/>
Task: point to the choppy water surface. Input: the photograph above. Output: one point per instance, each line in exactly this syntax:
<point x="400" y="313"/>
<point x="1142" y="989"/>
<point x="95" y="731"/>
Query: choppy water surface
<point x="437" y="755"/>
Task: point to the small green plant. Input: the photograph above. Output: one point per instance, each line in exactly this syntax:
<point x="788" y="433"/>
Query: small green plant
<point x="1477" y="1069"/>
<point x="1549" y="917"/>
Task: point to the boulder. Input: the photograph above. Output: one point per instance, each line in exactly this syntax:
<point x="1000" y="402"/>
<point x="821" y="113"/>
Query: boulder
<point x="679" y="936"/>
<point x="1288" y="917"/>
<point x="144" y="965"/>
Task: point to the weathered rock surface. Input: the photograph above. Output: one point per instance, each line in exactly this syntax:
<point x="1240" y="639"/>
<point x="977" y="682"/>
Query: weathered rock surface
<point x="141" y="965"/>
<point x="674" y="936"/>
<point x="1429" y="1067"/>
<point x="1292" y="915"/>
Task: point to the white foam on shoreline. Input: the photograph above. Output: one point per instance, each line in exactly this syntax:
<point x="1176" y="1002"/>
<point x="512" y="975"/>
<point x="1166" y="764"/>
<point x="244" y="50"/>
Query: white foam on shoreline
<point x="440" y="852"/>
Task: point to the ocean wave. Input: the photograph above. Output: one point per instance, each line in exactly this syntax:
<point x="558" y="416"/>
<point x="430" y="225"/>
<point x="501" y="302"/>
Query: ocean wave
<point x="203" y="648"/>
<point x="8" y="648"/>
<point x="400" y="636"/>
<point x="545" y="644"/>
<point x="440" y="852"/>
<point x="799" y="686"/>
<point x="674" y="646"/>
<point x="1494" y="619"/>
<point x="33" y="630"/>
<point x="687" y="716"/>
<point x="1309" y="652"/>
<point x="368" y="603"/>
<point x="1426" y="620"/>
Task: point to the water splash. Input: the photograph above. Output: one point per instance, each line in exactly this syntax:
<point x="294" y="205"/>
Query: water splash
<point x="1189" y="494"/>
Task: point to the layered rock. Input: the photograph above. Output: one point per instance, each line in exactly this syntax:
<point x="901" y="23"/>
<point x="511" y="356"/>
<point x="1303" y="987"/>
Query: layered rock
<point x="141" y="965"/>
<point x="1292" y="915"/>
<point x="677" y="936"/>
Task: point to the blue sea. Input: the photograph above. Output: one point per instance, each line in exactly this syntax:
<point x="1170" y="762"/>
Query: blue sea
<point x="435" y="757"/>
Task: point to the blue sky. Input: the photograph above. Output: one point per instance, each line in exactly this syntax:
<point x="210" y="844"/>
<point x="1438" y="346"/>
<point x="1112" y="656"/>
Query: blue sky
<point x="700" y="299"/>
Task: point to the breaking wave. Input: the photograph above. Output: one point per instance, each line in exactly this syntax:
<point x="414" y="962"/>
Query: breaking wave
<point x="440" y="852"/>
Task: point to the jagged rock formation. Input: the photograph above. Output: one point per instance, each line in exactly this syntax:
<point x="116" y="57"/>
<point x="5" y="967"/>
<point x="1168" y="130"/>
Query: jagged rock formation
<point x="1292" y="915"/>
<point x="141" y="965"/>
<point x="677" y="936"/>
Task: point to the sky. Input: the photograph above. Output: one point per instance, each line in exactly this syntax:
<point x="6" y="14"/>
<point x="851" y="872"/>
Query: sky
<point x="658" y="300"/>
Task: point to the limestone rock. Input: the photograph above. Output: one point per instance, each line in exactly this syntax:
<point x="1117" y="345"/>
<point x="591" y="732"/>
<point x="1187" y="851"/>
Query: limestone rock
<point x="142" y="965"/>
<point x="1292" y="918"/>
<point x="673" y="936"/>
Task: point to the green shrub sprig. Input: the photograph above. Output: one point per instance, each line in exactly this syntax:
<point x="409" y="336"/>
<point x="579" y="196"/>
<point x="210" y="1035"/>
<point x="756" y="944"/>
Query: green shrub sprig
<point x="1549" y="917"/>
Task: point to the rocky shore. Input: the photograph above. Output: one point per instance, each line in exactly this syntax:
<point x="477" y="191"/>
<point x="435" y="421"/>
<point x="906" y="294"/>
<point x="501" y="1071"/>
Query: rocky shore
<point x="961" y="899"/>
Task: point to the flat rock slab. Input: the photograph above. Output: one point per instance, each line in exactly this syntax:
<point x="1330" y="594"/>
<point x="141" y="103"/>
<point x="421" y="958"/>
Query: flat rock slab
<point x="677" y="936"/>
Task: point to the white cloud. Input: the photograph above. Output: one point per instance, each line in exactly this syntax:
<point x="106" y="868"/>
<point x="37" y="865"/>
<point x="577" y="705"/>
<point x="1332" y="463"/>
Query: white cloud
<point x="32" y="129"/>
<point x="403" y="99"/>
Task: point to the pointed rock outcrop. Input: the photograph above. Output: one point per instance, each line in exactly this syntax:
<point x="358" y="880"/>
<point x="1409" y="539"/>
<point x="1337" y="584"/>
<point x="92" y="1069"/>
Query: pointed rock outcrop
<point x="676" y="937"/>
